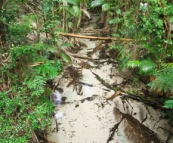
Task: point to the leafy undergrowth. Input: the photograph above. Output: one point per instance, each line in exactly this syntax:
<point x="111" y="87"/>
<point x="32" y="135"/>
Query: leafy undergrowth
<point x="24" y="98"/>
<point x="150" y="52"/>
<point x="25" y="67"/>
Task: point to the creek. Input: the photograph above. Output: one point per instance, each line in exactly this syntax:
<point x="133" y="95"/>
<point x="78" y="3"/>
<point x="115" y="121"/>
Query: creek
<point x="90" y="111"/>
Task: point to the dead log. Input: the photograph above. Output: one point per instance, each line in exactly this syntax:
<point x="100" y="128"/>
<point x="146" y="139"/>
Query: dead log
<point x="93" y="37"/>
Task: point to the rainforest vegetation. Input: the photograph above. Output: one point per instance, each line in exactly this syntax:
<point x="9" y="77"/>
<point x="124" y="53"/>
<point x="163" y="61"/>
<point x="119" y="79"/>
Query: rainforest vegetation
<point x="31" y="53"/>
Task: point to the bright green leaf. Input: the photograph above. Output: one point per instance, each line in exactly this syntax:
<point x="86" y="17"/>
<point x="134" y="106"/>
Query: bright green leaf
<point x="133" y="64"/>
<point x="65" y="57"/>
<point x="97" y="3"/>
<point x="106" y="6"/>
<point x="147" y="66"/>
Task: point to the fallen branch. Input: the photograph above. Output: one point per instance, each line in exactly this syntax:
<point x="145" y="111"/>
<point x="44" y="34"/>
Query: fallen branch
<point x="93" y="37"/>
<point x="114" y="95"/>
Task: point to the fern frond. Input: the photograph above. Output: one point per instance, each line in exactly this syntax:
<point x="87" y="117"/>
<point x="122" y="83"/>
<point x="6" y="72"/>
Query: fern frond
<point x="123" y="62"/>
<point x="164" y="65"/>
<point x="65" y="57"/>
<point x="147" y="67"/>
<point x="47" y="69"/>
<point x="29" y="77"/>
<point x="37" y="83"/>
<point x="163" y="81"/>
<point x="66" y="44"/>
<point x="133" y="64"/>
<point x="168" y="104"/>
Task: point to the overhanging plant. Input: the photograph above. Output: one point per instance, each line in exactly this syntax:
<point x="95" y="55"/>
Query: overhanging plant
<point x="27" y="65"/>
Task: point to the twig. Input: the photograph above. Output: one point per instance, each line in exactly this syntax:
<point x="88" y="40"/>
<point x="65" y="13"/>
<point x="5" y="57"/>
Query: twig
<point x="4" y="3"/>
<point x="34" y="137"/>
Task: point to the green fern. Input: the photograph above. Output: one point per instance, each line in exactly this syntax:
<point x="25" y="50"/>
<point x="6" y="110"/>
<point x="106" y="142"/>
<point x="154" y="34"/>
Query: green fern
<point x="168" y="104"/>
<point x="133" y="64"/>
<point x="145" y="66"/>
<point x="164" y="65"/>
<point x="47" y="70"/>
<point x="123" y="62"/>
<point x="66" y="44"/>
<point x="37" y="84"/>
<point x="18" y="31"/>
<point x="18" y="51"/>
<point x="163" y="80"/>
<point x="65" y="57"/>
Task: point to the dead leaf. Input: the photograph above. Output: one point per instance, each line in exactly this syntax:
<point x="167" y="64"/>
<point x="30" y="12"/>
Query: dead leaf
<point x="35" y="64"/>
<point x="86" y="13"/>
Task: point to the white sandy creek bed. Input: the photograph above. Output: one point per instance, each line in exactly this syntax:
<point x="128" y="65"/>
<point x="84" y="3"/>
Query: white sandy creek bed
<point x="90" y="118"/>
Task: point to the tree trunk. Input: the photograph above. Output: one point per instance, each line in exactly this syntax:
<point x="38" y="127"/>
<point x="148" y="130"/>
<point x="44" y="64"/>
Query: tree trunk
<point x="2" y="26"/>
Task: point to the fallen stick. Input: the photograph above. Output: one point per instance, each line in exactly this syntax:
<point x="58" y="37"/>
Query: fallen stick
<point x="114" y="95"/>
<point x="93" y="37"/>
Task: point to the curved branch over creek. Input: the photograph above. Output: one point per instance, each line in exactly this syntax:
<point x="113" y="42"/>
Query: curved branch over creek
<point x="93" y="37"/>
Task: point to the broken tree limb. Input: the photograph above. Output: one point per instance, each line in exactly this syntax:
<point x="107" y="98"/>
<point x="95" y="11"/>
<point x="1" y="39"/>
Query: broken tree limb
<point x="114" y="95"/>
<point x="93" y="37"/>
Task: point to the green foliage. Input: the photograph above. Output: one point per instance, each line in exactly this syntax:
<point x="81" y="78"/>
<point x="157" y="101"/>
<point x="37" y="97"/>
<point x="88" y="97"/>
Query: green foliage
<point x="169" y="104"/>
<point x="163" y="81"/>
<point x="151" y="38"/>
<point x="17" y="32"/>
<point x="145" y="66"/>
<point x="133" y="64"/>
<point x="24" y="97"/>
<point x="21" y="114"/>
<point x="71" y="13"/>
<point x="25" y="107"/>
<point x="97" y="3"/>
<point x="48" y="70"/>
<point x="151" y="49"/>
<point x="65" y="57"/>
<point x="124" y="60"/>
